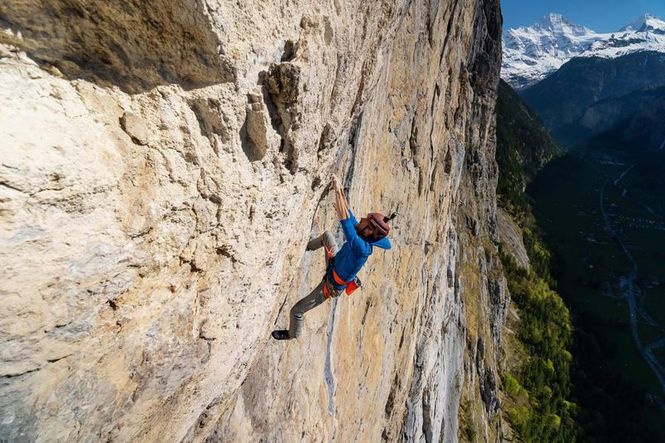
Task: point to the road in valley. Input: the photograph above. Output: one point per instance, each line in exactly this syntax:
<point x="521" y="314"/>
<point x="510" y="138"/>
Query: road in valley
<point x="630" y="291"/>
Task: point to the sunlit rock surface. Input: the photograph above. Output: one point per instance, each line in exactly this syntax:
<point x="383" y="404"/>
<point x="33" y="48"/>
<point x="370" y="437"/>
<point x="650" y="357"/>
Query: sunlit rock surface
<point x="162" y="168"/>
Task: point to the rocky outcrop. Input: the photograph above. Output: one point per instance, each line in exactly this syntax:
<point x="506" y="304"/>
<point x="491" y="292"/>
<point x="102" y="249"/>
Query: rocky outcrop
<point x="510" y="236"/>
<point x="134" y="45"/>
<point x="162" y="170"/>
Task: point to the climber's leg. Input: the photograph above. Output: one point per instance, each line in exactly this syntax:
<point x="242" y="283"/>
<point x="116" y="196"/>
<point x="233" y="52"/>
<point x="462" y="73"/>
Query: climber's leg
<point x="314" y="299"/>
<point x="311" y="301"/>
<point x="325" y="239"/>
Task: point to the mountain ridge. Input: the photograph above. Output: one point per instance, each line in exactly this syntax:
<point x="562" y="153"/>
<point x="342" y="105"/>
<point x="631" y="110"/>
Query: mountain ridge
<point x="531" y="53"/>
<point x="565" y="99"/>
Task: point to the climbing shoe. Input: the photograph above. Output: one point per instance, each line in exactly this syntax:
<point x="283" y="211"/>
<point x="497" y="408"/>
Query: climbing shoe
<point x="280" y="334"/>
<point x="313" y="244"/>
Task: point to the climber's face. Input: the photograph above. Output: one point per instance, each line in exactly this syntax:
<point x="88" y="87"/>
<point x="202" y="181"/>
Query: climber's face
<point x="364" y="228"/>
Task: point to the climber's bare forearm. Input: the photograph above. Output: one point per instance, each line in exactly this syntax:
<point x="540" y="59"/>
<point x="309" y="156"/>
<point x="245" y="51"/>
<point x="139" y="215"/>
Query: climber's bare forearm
<point x="340" y="200"/>
<point x="341" y="207"/>
<point x="344" y="213"/>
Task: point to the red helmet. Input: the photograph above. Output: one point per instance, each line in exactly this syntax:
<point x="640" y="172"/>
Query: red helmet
<point x="379" y="223"/>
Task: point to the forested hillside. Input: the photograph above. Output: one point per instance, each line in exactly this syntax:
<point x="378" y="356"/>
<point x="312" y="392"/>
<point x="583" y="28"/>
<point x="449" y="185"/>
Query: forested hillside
<point x="538" y="376"/>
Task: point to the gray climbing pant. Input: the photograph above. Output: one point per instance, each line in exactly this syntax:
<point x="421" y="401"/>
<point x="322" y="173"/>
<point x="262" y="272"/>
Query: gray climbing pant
<point x="315" y="298"/>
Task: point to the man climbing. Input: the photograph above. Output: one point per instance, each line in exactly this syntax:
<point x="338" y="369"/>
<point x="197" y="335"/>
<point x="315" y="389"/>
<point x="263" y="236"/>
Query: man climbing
<point x="342" y="266"/>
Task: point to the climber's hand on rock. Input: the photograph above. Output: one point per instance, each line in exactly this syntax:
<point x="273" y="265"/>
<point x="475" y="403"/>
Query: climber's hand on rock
<point x="335" y="183"/>
<point x="338" y="189"/>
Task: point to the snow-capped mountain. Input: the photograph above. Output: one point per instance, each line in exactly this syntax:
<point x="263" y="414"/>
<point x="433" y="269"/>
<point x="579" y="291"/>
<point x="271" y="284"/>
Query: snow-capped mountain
<point x="647" y="22"/>
<point x="531" y="53"/>
<point x="646" y="34"/>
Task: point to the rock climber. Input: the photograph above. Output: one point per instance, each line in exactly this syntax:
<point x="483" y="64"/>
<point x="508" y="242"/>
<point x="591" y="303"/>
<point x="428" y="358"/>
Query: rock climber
<point x="342" y="266"/>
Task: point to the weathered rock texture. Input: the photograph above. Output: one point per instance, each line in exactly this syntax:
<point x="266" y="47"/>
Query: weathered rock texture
<point x="163" y="165"/>
<point x="511" y="238"/>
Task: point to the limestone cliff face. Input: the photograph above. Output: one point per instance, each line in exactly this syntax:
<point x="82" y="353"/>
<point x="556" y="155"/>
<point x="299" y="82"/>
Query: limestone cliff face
<point x="162" y="168"/>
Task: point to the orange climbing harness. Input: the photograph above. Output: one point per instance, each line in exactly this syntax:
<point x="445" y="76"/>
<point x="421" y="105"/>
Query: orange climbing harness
<point x="349" y="286"/>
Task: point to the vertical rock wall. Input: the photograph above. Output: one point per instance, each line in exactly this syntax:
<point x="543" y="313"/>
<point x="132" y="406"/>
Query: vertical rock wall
<point x="162" y="170"/>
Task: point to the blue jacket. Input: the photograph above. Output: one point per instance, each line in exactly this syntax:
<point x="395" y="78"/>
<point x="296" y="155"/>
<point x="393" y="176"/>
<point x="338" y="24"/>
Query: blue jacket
<point x="353" y="255"/>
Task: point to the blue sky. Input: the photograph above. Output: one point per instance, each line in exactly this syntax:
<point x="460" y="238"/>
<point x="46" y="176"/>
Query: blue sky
<point x="599" y="15"/>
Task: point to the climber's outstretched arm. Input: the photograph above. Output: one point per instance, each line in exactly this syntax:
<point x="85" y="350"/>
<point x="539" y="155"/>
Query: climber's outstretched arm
<point x="341" y="205"/>
<point x="348" y="221"/>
